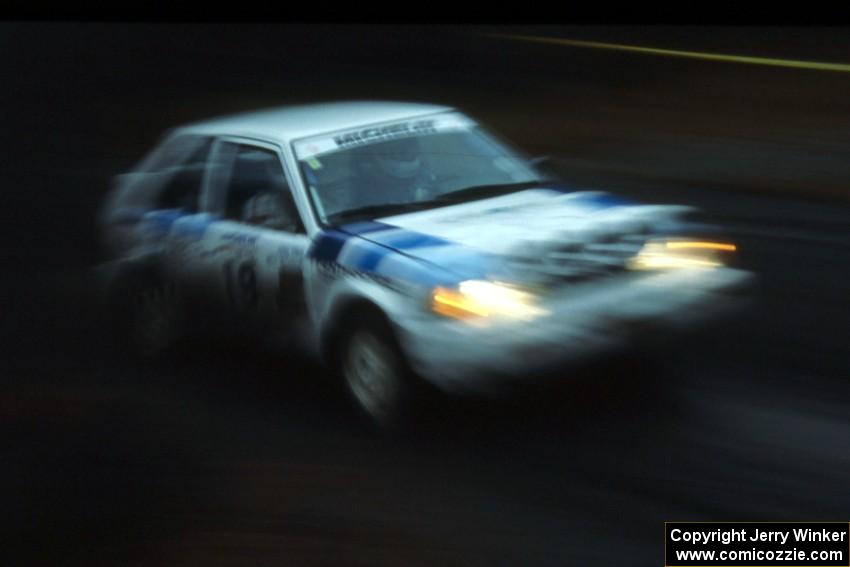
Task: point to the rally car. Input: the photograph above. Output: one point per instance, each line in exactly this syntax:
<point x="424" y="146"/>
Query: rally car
<point x="401" y="243"/>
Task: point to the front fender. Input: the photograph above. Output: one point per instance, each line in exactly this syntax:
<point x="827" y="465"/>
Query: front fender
<point x="342" y="269"/>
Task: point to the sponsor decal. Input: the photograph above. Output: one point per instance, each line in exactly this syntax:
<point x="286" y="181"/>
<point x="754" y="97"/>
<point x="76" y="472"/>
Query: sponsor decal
<point x="240" y="238"/>
<point x="289" y="255"/>
<point x="381" y="133"/>
<point x="311" y="148"/>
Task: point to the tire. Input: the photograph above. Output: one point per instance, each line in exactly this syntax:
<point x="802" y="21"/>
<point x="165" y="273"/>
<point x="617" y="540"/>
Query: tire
<point x="375" y="374"/>
<point x="149" y="316"/>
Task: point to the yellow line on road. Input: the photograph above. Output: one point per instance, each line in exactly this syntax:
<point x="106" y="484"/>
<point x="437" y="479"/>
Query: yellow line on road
<point x="792" y="63"/>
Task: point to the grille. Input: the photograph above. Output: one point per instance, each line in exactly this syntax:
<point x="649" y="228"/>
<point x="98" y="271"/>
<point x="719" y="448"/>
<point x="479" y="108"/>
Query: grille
<point x="577" y="262"/>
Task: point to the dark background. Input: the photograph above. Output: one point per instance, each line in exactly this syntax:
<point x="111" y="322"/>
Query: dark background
<point x="243" y="457"/>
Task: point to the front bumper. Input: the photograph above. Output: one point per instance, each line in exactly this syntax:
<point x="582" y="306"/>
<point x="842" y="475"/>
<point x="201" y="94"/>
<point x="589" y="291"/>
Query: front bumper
<point x="585" y="320"/>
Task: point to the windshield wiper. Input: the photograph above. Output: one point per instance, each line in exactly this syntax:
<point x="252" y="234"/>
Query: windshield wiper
<point x="481" y="191"/>
<point x="466" y="194"/>
<point x="387" y="209"/>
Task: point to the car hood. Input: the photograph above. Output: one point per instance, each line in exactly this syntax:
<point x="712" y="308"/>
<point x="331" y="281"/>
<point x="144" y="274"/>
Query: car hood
<point x="537" y="234"/>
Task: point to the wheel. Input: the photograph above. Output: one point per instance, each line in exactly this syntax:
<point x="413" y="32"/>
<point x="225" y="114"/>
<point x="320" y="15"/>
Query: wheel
<point x="375" y="374"/>
<point x="149" y="316"/>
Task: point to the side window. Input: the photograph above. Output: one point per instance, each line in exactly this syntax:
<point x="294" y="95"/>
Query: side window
<point x="183" y="187"/>
<point x="257" y="192"/>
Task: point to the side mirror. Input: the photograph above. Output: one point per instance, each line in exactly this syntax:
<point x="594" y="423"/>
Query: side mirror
<point x="547" y="165"/>
<point x="540" y="161"/>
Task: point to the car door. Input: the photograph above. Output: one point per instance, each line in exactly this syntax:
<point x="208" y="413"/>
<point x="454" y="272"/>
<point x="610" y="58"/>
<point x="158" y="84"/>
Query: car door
<point x="255" y="249"/>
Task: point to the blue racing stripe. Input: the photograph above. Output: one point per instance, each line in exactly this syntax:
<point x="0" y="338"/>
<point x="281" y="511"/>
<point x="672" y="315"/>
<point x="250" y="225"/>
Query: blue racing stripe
<point x="599" y="201"/>
<point x="408" y="239"/>
<point x="327" y="246"/>
<point x="370" y="257"/>
<point x="592" y="197"/>
<point x="365" y="227"/>
<point x="161" y="220"/>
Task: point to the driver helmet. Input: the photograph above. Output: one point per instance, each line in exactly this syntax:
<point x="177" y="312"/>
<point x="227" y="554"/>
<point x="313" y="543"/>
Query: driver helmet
<point x="399" y="158"/>
<point x="264" y="209"/>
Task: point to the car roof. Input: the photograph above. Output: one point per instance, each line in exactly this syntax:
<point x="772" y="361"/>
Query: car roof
<point x="289" y="123"/>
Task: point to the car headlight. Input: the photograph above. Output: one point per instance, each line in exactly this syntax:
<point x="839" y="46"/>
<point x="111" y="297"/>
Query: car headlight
<point x="475" y="299"/>
<point x="673" y="254"/>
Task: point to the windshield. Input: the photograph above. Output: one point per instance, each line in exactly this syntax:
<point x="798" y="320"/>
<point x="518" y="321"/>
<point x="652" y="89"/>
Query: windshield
<point x="407" y="166"/>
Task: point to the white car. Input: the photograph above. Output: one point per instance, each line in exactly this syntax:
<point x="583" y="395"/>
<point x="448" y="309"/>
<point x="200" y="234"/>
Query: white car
<point x="402" y="243"/>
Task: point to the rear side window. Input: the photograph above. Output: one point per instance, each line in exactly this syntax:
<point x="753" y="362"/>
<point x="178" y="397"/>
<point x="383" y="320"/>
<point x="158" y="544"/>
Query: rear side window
<point x="171" y="151"/>
<point x="182" y="188"/>
<point x="169" y="177"/>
